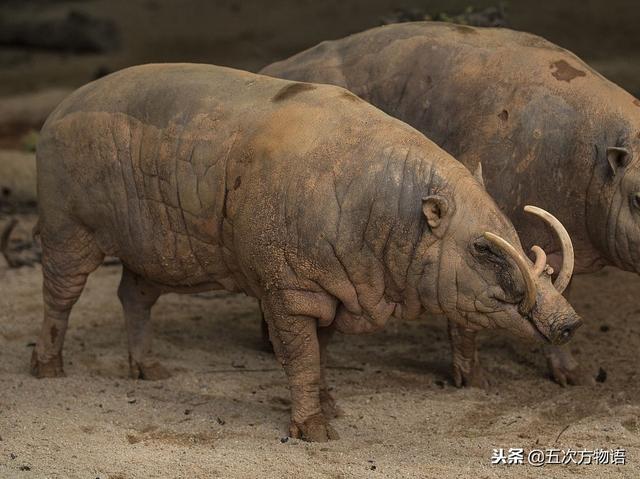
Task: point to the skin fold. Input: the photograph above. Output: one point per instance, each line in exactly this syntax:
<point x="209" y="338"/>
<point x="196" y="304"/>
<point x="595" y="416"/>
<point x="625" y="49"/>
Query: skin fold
<point x="333" y="214"/>
<point x="547" y="129"/>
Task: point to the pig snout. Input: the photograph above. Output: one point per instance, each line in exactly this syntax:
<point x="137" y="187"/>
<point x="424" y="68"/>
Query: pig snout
<point x="564" y="328"/>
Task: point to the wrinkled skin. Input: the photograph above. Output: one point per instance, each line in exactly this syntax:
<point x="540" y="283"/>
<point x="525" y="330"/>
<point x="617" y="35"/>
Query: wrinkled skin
<point x="333" y="214"/>
<point x="536" y="117"/>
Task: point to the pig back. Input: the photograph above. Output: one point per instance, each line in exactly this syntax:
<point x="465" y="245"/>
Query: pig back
<point x="143" y="158"/>
<point x="171" y="167"/>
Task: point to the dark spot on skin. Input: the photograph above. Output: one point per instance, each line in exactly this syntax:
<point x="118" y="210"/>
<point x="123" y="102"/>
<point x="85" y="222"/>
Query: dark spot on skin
<point x="636" y="102"/>
<point x="463" y="29"/>
<point x="504" y="115"/>
<point x="6" y="192"/>
<point x="565" y="72"/>
<point x="292" y="90"/>
<point x="237" y="183"/>
<point x="54" y="334"/>
<point x="429" y="81"/>
<point x="350" y="96"/>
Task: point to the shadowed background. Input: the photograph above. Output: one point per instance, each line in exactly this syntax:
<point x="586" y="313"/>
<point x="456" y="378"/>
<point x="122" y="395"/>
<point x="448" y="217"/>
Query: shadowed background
<point x="249" y="34"/>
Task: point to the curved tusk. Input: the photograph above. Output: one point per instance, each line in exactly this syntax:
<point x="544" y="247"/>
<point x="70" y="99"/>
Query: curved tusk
<point x="566" y="270"/>
<point x="529" y="282"/>
<point x="541" y="261"/>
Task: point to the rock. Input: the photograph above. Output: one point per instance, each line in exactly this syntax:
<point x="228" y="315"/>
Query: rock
<point x="489" y="17"/>
<point x="17" y="178"/>
<point x="21" y="114"/>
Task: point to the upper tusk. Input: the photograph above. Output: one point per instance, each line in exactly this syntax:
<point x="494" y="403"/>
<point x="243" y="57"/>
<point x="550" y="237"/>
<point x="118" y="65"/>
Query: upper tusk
<point x="530" y="286"/>
<point x="568" y="258"/>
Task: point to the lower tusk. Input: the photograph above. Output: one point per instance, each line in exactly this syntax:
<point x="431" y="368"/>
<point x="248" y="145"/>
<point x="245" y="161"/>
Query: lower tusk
<point x="568" y="258"/>
<point x="541" y="260"/>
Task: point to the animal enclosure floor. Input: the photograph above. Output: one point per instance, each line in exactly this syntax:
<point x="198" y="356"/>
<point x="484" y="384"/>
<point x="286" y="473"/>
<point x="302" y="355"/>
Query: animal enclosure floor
<point x="224" y="411"/>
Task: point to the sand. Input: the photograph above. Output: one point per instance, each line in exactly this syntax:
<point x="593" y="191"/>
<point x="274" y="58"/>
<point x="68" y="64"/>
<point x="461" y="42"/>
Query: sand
<point x="224" y="411"/>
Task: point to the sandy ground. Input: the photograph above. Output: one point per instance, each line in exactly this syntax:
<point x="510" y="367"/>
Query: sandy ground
<point x="224" y="411"/>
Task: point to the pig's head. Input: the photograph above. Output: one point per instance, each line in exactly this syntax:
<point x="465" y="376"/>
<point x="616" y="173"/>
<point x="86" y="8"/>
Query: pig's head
<point x="610" y="154"/>
<point x="484" y="279"/>
<point x="613" y="202"/>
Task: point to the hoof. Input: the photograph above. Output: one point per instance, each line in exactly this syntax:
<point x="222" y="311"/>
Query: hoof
<point x="151" y="371"/>
<point x="328" y="403"/>
<point x="575" y="376"/>
<point x="565" y="370"/>
<point x="475" y="378"/>
<point x="313" y="429"/>
<point x="49" y="369"/>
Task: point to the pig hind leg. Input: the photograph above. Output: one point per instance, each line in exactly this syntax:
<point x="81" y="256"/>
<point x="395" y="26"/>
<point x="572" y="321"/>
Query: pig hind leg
<point x="264" y="330"/>
<point x="69" y="255"/>
<point x="327" y="401"/>
<point x="137" y="297"/>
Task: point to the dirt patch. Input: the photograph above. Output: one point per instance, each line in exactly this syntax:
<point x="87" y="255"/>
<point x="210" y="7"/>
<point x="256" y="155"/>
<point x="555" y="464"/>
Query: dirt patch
<point x="174" y="438"/>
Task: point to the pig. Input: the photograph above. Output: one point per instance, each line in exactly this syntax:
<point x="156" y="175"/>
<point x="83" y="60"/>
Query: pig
<point x="544" y="126"/>
<point x="333" y="214"/>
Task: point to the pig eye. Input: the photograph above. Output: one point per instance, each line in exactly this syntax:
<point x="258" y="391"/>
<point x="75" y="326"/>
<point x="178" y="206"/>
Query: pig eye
<point x="482" y="247"/>
<point x="635" y="200"/>
<point x="483" y="251"/>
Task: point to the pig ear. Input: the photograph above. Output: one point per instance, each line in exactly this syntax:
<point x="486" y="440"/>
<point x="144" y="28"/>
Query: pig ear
<point x="618" y="158"/>
<point x="435" y="209"/>
<point x="477" y="174"/>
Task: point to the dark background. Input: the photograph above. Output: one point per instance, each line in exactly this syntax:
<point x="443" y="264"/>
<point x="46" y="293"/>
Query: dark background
<point x="46" y="43"/>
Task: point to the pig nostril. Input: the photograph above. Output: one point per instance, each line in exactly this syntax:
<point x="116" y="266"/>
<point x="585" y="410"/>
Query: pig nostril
<point x="567" y="332"/>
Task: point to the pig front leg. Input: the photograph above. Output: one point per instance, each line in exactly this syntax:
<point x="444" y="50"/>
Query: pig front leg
<point x="295" y="340"/>
<point x="137" y="297"/>
<point x="466" y="367"/>
<point x="325" y="333"/>
<point x="564" y="368"/>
